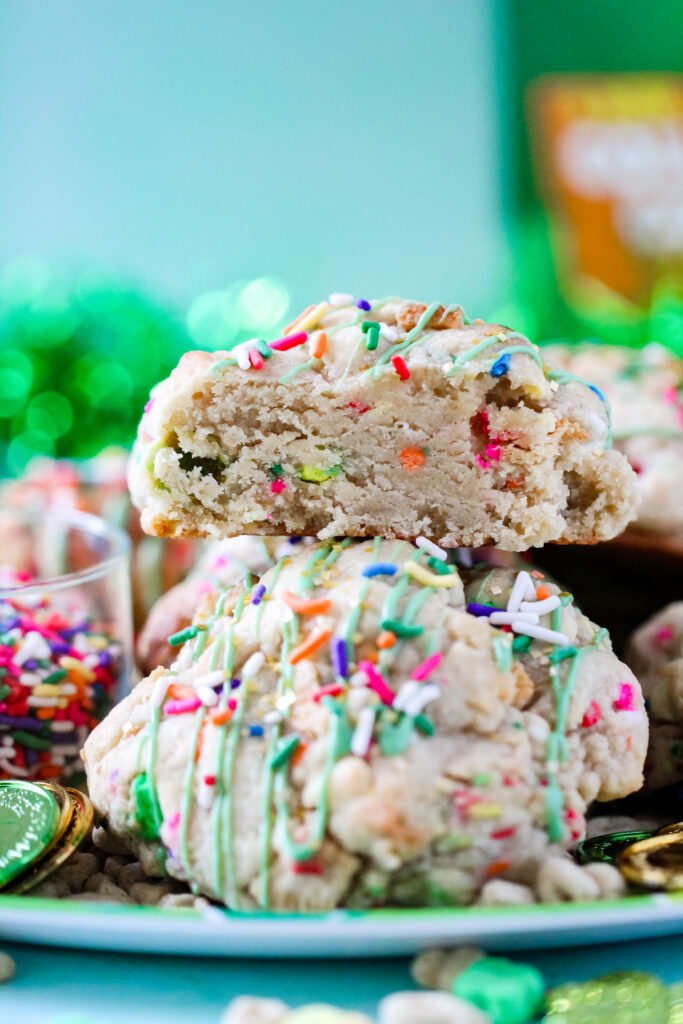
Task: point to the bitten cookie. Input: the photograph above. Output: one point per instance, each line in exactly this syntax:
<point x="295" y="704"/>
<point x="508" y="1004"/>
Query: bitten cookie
<point x="386" y="418"/>
<point x="645" y="389"/>
<point x="655" y="653"/>
<point x="370" y="726"/>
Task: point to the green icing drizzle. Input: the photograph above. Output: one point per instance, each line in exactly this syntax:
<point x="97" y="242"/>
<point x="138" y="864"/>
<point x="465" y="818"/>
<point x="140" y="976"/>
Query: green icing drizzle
<point x="411" y="339"/>
<point x="188" y="785"/>
<point x="297" y="369"/>
<point x="147" y="812"/>
<point x="502" y="651"/>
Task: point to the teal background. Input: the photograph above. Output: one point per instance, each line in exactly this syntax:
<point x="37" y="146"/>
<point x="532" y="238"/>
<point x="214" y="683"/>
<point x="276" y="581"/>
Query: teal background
<point x="343" y="145"/>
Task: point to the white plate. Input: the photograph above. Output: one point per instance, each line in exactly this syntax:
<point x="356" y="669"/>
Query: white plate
<point x="214" y="932"/>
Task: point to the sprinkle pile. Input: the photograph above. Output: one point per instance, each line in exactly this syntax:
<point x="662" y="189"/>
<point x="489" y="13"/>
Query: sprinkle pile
<point x="57" y="681"/>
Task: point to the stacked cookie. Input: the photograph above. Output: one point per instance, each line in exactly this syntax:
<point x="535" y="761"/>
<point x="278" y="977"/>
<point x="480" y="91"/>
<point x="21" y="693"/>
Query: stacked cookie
<point x="374" y="719"/>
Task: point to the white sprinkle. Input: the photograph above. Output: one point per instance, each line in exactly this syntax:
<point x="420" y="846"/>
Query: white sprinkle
<point x="358" y="679"/>
<point x="7" y="741"/>
<point x="252" y="665"/>
<point x="210" y="679"/>
<point x="549" y="604"/>
<point x="159" y="689"/>
<point x="426" y="694"/>
<point x="91" y="660"/>
<point x="69" y="751"/>
<point x="362" y="734"/>
<point x="34" y="646"/>
<point x="11" y="769"/>
<point x="340" y="299"/>
<point x="61" y="726"/>
<point x="272" y="717"/>
<point x="241" y="354"/>
<point x="552" y="766"/>
<point x="207" y="696"/>
<point x="30" y="679"/>
<point x="68" y="689"/>
<point x="283" y="550"/>
<point x="58" y="759"/>
<point x="406" y="691"/>
<point x="42" y="702"/>
<point x="285" y="701"/>
<point x="388" y="332"/>
<point x="510" y="618"/>
<point x="540" y="633"/>
<point x="522" y="589"/>
<point x="432" y="548"/>
<point x="465" y="557"/>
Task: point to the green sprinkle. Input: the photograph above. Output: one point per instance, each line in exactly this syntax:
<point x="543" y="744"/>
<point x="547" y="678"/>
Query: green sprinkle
<point x="371" y="331"/>
<point x="55" y="677"/>
<point x="176" y="639"/>
<point x="453" y="842"/>
<point x="424" y="725"/>
<point x="521" y="644"/>
<point x="401" y="628"/>
<point x="316" y="475"/>
<point x="439" y="567"/>
<point x="261" y="347"/>
<point x="4" y="690"/>
<point x="480" y="780"/>
<point x="275" y="471"/>
<point x="283" y="751"/>
<point x="29" y="739"/>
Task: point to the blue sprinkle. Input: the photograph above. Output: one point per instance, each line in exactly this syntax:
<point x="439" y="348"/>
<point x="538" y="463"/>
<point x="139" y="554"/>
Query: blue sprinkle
<point x="481" y="609"/>
<point x="256" y="730"/>
<point x="234" y="683"/>
<point x="501" y="366"/>
<point x="363" y="304"/>
<point x="598" y="392"/>
<point x="257" y="596"/>
<point x="294" y="540"/>
<point x="339" y="658"/>
<point x="379" y="569"/>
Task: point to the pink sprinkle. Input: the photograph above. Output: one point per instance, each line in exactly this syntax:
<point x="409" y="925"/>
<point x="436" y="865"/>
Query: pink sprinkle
<point x="375" y="682"/>
<point x="508" y="781"/>
<point x="504" y="833"/>
<point x="291" y="341"/>
<point x="149" y="405"/>
<point x="333" y="690"/>
<point x="232" y="704"/>
<point x="464" y="799"/>
<point x="570" y="815"/>
<point x="592" y="715"/>
<point x="359" y="407"/>
<point x="3" y="707"/>
<point x="255" y="358"/>
<point x="481" y="461"/>
<point x="180" y="707"/>
<point x="663" y="634"/>
<point x="399" y="364"/>
<point x="493" y="452"/>
<point x="670" y="395"/>
<point x="625" y="700"/>
<point x="428" y="666"/>
<point x="209" y="780"/>
<point x="278" y="486"/>
<point x="169" y="829"/>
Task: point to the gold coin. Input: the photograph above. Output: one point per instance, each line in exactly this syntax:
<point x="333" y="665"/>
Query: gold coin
<point x="65" y="811"/>
<point x="79" y="826"/>
<point x="655" y="863"/>
<point x="676" y="827"/>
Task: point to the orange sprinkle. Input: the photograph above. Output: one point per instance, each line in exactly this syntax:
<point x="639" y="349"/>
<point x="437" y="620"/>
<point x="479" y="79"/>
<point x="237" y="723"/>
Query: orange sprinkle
<point x="319" y="344"/>
<point x="412" y="458"/>
<point x="200" y="742"/>
<point x="386" y="639"/>
<point x="220" y="716"/>
<point x="178" y="692"/>
<point x="309" y="646"/>
<point x="306" y="605"/>
<point x="542" y="592"/>
<point x="50" y="771"/>
<point x="44" y="714"/>
<point x="296" y="319"/>
<point x="497" y="867"/>
<point x="513" y="485"/>
<point x="299" y="752"/>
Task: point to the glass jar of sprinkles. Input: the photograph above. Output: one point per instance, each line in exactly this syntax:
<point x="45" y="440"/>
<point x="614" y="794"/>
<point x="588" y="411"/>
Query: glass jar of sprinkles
<point x="65" y="636"/>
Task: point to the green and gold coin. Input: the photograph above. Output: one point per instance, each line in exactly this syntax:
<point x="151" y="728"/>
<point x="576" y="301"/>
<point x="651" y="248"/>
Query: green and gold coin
<point x="655" y="863"/>
<point x="79" y="827"/>
<point x="30" y="818"/>
<point x="608" y="847"/>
